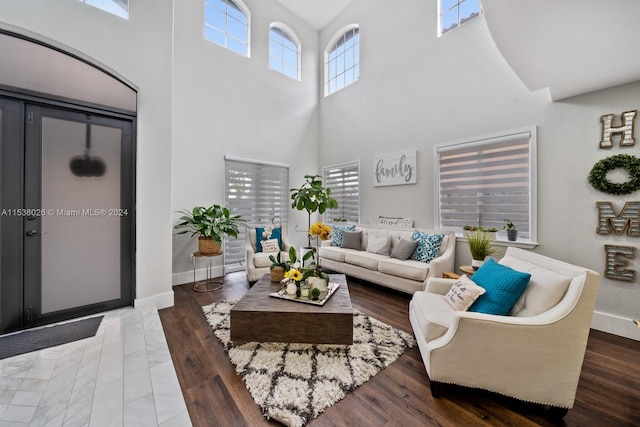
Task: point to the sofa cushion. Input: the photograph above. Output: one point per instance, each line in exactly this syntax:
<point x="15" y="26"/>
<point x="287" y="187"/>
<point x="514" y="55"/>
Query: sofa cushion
<point x="433" y="313"/>
<point x="380" y="245"/>
<point x="336" y="240"/>
<point x="503" y="286"/>
<point x="403" y="249"/>
<point x="409" y="269"/>
<point x="276" y="233"/>
<point x="545" y="289"/>
<point x="364" y="259"/>
<point x="463" y="293"/>
<point x="352" y="240"/>
<point x="332" y="252"/>
<point x="428" y="246"/>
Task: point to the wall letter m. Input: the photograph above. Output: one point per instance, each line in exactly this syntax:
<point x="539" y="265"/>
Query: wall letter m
<point x="627" y="219"/>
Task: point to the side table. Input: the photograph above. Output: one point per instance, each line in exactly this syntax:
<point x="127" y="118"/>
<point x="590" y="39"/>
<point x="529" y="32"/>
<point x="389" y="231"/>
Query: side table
<point x="209" y="284"/>
<point x="467" y="269"/>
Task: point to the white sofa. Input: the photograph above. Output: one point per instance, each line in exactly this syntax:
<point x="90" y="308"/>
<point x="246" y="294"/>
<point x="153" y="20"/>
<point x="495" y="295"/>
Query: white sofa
<point x="407" y="276"/>
<point x="258" y="263"/>
<point x="534" y="354"/>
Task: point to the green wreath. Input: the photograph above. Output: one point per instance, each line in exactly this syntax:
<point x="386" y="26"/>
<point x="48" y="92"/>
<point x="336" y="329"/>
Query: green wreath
<point x="598" y="175"/>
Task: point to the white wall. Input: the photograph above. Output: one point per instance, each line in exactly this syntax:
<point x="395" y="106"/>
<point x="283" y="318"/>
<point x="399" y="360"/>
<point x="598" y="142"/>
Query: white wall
<point x="416" y="90"/>
<point x="226" y="104"/>
<point x="139" y="51"/>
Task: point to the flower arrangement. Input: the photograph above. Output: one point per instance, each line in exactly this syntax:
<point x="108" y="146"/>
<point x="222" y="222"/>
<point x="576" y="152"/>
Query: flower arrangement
<point x="319" y="231"/>
<point x="294" y="274"/>
<point x="266" y="234"/>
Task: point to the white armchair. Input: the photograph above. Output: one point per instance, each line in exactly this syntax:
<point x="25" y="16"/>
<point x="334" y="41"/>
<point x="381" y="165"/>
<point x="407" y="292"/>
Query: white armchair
<point x="258" y="263"/>
<point x="534" y="354"/>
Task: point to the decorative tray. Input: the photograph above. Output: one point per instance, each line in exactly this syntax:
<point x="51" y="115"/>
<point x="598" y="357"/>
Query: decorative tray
<point x="324" y="295"/>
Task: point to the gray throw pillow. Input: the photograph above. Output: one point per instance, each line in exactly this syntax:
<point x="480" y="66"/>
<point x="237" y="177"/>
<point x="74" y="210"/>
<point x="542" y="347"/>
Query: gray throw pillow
<point x="403" y="249"/>
<point x="352" y="240"/>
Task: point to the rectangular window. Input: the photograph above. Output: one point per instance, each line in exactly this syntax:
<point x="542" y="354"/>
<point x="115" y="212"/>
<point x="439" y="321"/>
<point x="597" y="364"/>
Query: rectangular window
<point x="116" y="7"/>
<point x="344" y="182"/>
<point x="260" y="193"/>
<point x="486" y="180"/>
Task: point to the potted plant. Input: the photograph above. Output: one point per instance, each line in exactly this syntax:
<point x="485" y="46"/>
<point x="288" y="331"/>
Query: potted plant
<point x="479" y="246"/>
<point x="211" y="225"/>
<point x="512" y="230"/>
<point x="472" y="228"/>
<point x="278" y="267"/>
<point x="312" y="197"/>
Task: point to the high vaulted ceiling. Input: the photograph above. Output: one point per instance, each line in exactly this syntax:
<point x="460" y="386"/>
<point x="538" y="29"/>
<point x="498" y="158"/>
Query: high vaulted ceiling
<point x="571" y="47"/>
<point x="317" y="13"/>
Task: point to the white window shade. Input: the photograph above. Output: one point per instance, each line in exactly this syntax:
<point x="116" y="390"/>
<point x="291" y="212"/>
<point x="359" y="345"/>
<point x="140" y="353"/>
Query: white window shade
<point x="260" y="193"/>
<point x="344" y="182"/>
<point x="484" y="181"/>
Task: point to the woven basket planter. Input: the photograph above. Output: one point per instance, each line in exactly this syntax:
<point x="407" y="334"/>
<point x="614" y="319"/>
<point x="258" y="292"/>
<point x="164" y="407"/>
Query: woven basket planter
<point x="277" y="274"/>
<point x="208" y="246"/>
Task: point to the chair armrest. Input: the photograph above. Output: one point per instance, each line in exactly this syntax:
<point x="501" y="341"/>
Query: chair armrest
<point x="446" y="261"/>
<point x="437" y="285"/>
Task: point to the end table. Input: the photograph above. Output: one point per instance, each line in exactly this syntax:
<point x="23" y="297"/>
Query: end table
<point x="209" y="284"/>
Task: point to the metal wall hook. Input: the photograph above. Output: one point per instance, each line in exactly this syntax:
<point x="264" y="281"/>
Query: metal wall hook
<point x="301" y="231"/>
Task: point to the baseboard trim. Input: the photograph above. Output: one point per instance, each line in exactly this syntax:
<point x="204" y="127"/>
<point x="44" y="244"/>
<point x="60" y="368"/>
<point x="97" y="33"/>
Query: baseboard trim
<point x="161" y="301"/>
<point x="615" y="325"/>
<point x="201" y="274"/>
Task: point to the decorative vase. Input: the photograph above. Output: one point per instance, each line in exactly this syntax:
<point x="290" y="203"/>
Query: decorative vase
<point x="476" y="263"/>
<point x="512" y="235"/>
<point x="292" y="288"/>
<point x="317" y="282"/>
<point x="305" y="290"/>
<point x="208" y="246"/>
<point x="277" y="273"/>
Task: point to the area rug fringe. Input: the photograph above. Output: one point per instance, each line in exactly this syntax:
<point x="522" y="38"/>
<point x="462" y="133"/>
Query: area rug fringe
<point x="294" y="383"/>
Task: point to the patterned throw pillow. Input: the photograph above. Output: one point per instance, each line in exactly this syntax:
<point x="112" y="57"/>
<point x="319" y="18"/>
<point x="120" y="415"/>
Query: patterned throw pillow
<point x="428" y="246"/>
<point x="337" y="233"/>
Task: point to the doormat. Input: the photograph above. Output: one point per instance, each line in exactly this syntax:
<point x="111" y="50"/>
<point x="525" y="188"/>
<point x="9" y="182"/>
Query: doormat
<point x="294" y="383"/>
<point x="50" y="336"/>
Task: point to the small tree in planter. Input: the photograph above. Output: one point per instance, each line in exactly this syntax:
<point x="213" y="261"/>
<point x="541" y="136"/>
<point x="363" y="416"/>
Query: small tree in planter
<point x="211" y="225"/>
<point x="312" y="197"/>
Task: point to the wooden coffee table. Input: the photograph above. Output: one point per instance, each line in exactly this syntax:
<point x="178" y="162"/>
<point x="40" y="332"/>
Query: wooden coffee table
<point x="261" y="318"/>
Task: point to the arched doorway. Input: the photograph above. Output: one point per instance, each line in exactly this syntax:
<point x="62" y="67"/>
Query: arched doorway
<point x="67" y="173"/>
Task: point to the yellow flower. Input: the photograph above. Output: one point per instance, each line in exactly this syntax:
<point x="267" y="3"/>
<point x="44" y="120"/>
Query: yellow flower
<point x="294" y="274"/>
<point x="321" y="230"/>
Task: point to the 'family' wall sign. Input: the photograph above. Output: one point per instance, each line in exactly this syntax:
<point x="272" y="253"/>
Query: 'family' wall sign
<point x="395" y="169"/>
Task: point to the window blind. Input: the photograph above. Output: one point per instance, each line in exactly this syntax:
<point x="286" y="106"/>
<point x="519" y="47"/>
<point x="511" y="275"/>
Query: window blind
<point x="484" y="182"/>
<point x="344" y="182"/>
<point x="260" y="193"/>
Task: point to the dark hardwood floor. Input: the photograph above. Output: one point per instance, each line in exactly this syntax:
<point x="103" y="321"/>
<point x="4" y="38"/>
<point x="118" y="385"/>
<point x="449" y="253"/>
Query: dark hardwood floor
<point x="608" y="393"/>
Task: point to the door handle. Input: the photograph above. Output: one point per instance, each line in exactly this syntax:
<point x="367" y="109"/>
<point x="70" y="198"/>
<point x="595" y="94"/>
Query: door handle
<point x="32" y="233"/>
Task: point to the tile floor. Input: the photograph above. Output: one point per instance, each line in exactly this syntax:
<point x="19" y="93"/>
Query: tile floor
<point x="123" y="376"/>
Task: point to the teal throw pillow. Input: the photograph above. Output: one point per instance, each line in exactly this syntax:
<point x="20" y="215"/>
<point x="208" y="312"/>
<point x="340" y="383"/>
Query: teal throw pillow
<point x="276" y="233"/>
<point x="428" y="246"/>
<point x="336" y="240"/>
<point x="503" y="286"/>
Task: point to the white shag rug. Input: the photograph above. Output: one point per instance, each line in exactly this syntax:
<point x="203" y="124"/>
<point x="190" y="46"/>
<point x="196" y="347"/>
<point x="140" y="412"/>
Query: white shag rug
<point x="294" y="383"/>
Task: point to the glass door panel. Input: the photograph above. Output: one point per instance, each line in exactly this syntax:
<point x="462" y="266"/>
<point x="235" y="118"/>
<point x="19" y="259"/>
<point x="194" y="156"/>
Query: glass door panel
<point x="80" y="225"/>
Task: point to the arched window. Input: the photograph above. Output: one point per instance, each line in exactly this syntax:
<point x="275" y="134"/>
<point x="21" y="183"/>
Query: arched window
<point x="226" y="22"/>
<point x="284" y="51"/>
<point x="342" y="60"/>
